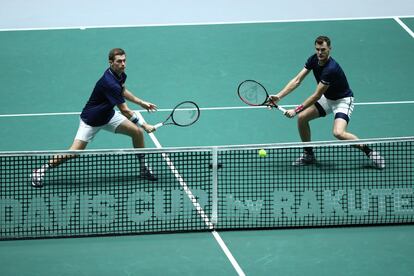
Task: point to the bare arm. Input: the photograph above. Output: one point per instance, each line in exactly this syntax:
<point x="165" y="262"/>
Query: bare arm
<point x="292" y="85"/>
<point x="320" y="90"/>
<point x="124" y="109"/>
<point x="132" y="98"/>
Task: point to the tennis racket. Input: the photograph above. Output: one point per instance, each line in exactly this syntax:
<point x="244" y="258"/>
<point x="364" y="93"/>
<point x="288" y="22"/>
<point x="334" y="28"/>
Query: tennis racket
<point x="184" y="114"/>
<point x="254" y="93"/>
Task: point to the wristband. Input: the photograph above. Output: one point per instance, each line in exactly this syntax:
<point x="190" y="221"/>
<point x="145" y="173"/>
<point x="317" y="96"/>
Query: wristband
<point x="299" y="108"/>
<point x="134" y="118"/>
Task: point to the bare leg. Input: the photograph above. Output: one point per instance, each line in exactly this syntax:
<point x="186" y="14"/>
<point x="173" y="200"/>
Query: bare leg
<point x="38" y="174"/>
<point x="303" y="122"/>
<point x="305" y="135"/>
<point x="340" y="132"/>
<point x="137" y="136"/>
<point x="59" y="159"/>
<point x="133" y="131"/>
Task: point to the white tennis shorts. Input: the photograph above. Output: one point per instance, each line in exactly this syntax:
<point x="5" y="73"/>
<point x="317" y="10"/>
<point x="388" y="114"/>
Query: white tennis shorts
<point x="86" y="132"/>
<point x="341" y="108"/>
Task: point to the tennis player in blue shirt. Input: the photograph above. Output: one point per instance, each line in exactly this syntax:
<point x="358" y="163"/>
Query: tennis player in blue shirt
<point x="332" y="95"/>
<point x="99" y="113"/>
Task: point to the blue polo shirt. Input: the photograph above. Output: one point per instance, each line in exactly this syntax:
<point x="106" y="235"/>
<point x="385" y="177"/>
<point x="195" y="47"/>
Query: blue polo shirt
<point x="330" y="74"/>
<point x="108" y="93"/>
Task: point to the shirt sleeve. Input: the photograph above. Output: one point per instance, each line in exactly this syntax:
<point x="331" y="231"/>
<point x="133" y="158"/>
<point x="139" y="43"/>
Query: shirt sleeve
<point x="309" y="64"/>
<point x="327" y="77"/>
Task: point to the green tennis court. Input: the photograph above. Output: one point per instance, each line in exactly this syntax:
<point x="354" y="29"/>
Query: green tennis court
<point x="48" y="76"/>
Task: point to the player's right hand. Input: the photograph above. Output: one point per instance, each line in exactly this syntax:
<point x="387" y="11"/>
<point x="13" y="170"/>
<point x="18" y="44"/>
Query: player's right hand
<point x="148" y="128"/>
<point x="290" y="113"/>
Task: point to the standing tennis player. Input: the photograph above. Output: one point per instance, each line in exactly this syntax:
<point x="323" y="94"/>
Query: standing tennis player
<point x="99" y="113"/>
<point x="332" y="95"/>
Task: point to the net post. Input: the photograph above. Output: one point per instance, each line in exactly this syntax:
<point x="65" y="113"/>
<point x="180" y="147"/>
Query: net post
<point x="214" y="196"/>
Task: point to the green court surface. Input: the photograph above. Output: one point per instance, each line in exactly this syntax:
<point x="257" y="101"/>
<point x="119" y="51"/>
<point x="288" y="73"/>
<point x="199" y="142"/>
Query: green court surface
<point x="202" y="63"/>
<point x="409" y="22"/>
<point x="334" y="251"/>
<point x="47" y="76"/>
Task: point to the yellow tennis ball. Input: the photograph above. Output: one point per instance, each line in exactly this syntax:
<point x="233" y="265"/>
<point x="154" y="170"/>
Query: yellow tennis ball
<point x="262" y="153"/>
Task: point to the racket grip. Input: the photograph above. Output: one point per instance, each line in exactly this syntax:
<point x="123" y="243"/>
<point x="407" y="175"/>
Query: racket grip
<point x="282" y="109"/>
<point x="158" y="125"/>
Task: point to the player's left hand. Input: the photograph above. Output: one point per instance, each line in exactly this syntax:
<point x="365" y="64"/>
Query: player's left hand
<point x="148" y="106"/>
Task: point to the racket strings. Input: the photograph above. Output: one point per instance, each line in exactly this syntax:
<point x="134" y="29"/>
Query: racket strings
<point x="186" y="114"/>
<point x="252" y="93"/>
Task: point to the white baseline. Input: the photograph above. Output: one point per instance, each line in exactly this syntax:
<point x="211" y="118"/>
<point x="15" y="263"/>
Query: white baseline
<point x="202" y="108"/>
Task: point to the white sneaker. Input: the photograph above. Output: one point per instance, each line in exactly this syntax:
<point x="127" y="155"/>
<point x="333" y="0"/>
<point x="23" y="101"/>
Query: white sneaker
<point x="305" y="159"/>
<point x="37" y="177"/>
<point x="377" y="160"/>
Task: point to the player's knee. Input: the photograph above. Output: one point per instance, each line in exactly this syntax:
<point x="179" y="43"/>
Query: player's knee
<point x="139" y="132"/>
<point x="339" y="134"/>
<point x="302" y="119"/>
<point x="135" y="132"/>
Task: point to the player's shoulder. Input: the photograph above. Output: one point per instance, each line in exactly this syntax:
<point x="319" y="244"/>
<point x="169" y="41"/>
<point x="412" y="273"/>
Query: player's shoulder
<point x="311" y="62"/>
<point x="332" y="65"/>
<point x="313" y="58"/>
<point x="110" y="81"/>
<point x="105" y="83"/>
<point x="106" y="77"/>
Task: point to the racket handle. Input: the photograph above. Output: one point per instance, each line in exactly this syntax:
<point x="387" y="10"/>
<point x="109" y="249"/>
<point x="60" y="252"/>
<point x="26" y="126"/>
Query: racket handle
<point x="282" y="109"/>
<point x="158" y="125"/>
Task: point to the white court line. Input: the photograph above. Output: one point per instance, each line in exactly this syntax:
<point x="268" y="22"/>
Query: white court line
<point x="197" y="205"/>
<point x="405" y="27"/>
<point x="202" y="108"/>
<point x="84" y="27"/>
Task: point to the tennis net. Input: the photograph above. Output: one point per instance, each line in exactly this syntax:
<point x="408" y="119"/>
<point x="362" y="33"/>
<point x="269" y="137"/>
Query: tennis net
<point x="205" y="188"/>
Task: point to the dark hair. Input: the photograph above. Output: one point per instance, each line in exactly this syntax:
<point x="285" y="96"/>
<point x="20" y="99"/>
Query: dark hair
<point x="321" y="39"/>
<point x="115" y="52"/>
